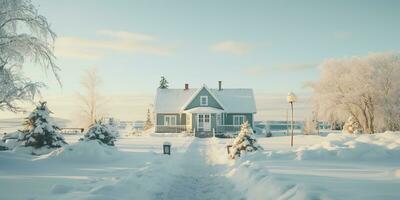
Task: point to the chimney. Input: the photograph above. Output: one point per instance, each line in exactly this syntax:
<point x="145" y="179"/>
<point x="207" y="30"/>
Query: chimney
<point x="219" y="85"/>
<point x="186" y="86"/>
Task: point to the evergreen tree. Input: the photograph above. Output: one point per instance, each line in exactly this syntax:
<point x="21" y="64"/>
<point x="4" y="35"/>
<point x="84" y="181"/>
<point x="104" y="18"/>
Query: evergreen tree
<point x="100" y="132"/>
<point x="40" y="130"/>
<point x="148" y="124"/>
<point x="163" y="83"/>
<point x="244" y="142"/>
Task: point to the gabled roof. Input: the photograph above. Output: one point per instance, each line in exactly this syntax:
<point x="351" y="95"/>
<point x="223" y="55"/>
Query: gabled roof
<point x="197" y="93"/>
<point x="232" y="100"/>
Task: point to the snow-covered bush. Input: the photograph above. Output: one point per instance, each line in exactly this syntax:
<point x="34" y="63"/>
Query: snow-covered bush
<point x="113" y="126"/>
<point x="100" y="132"/>
<point x="40" y="130"/>
<point x="244" y="142"/>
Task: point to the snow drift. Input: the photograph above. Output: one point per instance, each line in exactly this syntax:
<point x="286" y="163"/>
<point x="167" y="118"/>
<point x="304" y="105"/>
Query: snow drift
<point x="378" y="147"/>
<point x="85" y="151"/>
<point x="255" y="181"/>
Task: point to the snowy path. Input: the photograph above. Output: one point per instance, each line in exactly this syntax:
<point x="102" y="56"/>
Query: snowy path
<point x="197" y="179"/>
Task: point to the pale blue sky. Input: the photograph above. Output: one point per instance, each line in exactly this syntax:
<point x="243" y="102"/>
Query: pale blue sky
<point x="271" y="46"/>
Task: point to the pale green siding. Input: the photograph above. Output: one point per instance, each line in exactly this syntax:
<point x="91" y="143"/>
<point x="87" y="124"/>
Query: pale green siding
<point x="228" y="118"/>
<point x="196" y="101"/>
<point x="160" y="118"/>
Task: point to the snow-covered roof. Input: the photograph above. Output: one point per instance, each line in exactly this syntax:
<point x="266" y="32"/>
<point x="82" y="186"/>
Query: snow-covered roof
<point x="234" y="100"/>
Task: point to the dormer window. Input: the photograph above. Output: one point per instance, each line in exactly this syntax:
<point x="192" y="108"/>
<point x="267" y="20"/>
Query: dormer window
<point x="203" y="100"/>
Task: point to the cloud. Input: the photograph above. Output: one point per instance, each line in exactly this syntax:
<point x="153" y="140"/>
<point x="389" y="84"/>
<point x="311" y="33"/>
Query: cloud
<point x="342" y="35"/>
<point x="232" y="47"/>
<point x="116" y="41"/>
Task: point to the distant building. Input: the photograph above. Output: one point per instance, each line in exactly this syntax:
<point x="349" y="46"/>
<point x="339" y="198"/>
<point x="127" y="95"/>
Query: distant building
<point x="138" y="126"/>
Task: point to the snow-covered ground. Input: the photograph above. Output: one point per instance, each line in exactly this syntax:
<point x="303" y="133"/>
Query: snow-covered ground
<point x="333" y="167"/>
<point x="132" y="170"/>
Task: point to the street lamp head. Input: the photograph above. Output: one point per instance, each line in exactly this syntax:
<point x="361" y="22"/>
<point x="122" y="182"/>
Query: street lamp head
<point x="291" y="98"/>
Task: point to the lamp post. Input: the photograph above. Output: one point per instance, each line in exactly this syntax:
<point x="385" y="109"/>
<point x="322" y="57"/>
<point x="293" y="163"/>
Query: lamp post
<point x="291" y="98"/>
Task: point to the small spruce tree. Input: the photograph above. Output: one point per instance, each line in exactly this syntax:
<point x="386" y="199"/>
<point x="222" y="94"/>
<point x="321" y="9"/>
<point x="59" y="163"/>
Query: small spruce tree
<point x="148" y="124"/>
<point x="163" y="83"/>
<point x="100" y="132"/>
<point x="244" y="142"/>
<point x="40" y="130"/>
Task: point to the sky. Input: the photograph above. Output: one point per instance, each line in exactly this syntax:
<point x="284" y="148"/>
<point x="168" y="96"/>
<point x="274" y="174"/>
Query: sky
<point x="271" y="46"/>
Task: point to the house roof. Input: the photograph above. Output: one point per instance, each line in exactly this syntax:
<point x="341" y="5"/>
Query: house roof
<point x="233" y="100"/>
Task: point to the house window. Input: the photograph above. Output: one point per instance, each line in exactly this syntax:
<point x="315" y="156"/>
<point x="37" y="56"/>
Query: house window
<point x="204" y="100"/>
<point x="238" y="119"/>
<point x="169" y="120"/>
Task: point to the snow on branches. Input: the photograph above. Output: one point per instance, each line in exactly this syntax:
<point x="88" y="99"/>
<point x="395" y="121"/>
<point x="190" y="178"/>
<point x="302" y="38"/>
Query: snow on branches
<point x="40" y="130"/>
<point x="14" y="89"/>
<point x="25" y="35"/>
<point x="244" y="142"/>
<point x="364" y="88"/>
<point x="100" y="132"/>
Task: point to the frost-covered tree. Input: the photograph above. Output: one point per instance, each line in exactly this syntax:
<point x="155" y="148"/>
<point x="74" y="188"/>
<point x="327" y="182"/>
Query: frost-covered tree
<point x="163" y="83"/>
<point x="244" y="142"/>
<point x="25" y="36"/>
<point x="310" y="126"/>
<point x="364" y="88"/>
<point x="91" y="102"/>
<point x="40" y="130"/>
<point x="148" y="124"/>
<point x="14" y="89"/>
<point x="100" y="132"/>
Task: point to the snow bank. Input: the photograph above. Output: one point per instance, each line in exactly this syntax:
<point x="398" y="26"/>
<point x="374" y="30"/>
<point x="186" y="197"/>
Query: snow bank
<point x="11" y="139"/>
<point x="168" y="134"/>
<point x="379" y="147"/>
<point x="61" y="189"/>
<point x="255" y="182"/>
<point x="85" y="151"/>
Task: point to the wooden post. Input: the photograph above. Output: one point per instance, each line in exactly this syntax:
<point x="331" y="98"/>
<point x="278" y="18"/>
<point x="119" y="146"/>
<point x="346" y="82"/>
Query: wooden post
<point x="291" y="141"/>
<point x="287" y="122"/>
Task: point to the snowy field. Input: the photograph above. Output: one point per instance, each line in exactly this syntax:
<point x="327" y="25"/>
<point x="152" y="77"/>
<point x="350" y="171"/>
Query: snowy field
<point x="331" y="167"/>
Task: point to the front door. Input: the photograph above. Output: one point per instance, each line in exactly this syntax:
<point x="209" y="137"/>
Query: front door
<point x="204" y="122"/>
